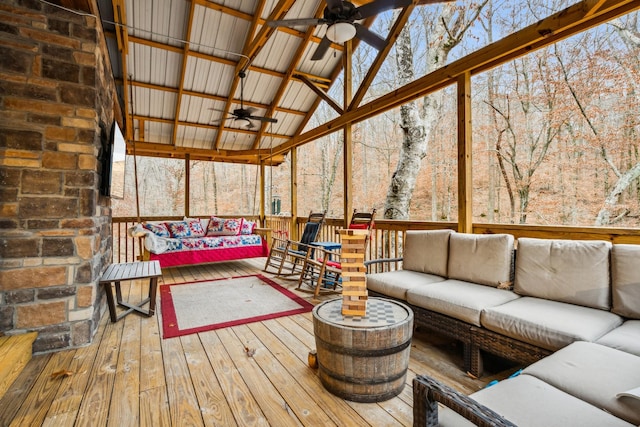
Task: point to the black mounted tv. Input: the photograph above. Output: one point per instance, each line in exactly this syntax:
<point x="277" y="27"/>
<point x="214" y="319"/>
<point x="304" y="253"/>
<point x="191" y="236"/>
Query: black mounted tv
<point x="113" y="164"/>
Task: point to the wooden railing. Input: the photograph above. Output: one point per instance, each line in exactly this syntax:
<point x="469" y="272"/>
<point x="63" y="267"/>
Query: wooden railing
<point x="386" y="240"/>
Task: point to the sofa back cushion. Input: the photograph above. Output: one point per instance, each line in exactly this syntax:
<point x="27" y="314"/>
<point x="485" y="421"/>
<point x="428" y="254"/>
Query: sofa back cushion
<point x="625" y="279"/>
<point x="426" y="251"/>
<point x="572" y="271"/>
<point x="486" y="259"/>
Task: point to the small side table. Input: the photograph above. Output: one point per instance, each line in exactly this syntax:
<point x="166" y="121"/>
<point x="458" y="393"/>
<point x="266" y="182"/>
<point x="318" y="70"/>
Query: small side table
<point x="116" y="273"/>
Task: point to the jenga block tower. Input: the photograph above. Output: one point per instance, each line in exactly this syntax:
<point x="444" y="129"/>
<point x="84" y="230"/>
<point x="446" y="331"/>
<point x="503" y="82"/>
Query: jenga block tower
<point x="354" y="285"/>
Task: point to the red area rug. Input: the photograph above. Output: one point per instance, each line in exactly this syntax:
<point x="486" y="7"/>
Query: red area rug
<point x="193" y="307"/>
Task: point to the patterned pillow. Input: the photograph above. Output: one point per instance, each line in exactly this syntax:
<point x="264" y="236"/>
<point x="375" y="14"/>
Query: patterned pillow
<point x="179" y="229"/>
<point x="224" y="227"/>
<point x="248" y="226"/>
<point x="196" y="227"/>
<point x="159" y="229"/>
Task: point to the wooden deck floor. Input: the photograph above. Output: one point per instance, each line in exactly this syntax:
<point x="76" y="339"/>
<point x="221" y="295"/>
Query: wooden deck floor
<point x="130" y="376"/>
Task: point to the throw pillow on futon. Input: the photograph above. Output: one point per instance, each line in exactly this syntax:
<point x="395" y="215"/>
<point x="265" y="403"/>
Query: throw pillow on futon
<point x="224" y="227"/>
<point x="197" y="230"/>
<point x="179" y="229"/>
<point x="248" y="226"/>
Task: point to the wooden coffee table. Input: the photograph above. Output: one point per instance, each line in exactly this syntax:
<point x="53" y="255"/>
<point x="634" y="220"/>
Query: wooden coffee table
<point x="117" y="273"/>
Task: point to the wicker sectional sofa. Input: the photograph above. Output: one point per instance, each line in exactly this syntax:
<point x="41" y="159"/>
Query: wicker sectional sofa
<point x="582" y="384"/>
<point x="522" y="305"/>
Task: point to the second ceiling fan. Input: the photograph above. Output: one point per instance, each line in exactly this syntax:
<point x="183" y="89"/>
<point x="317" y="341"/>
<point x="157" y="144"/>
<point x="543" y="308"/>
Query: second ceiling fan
<point x="340" y="17"/>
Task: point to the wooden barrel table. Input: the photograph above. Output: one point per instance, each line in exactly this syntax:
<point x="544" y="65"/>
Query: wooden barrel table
<point x="363" y="358"/>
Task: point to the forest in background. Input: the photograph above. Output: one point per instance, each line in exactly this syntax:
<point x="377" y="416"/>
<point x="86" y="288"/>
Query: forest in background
<point x="555" y="134"/>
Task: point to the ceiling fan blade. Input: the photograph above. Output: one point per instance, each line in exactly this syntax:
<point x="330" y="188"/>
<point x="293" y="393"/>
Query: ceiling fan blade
<point x="322" y="48"/>
<point x="371" y="38"/>
<point x="295" y="22"/>
<point x="378" y="6"/>
<point x="263" y="119"/>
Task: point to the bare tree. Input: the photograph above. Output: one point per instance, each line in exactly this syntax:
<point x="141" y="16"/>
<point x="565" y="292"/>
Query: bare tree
<point x="417" y="124"/>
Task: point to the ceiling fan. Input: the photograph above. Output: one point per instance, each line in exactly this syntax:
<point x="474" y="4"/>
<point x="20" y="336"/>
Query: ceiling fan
<point x="245" y="114"/>
<point x="340" y="17"/>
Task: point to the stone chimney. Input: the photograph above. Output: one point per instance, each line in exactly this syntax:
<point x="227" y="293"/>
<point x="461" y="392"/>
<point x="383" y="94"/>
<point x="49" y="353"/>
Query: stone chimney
<point x="57" y="100"/>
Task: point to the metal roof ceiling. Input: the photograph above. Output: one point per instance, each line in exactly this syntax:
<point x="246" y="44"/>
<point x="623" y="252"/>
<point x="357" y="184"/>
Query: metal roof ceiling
<point x="177" y="63"/>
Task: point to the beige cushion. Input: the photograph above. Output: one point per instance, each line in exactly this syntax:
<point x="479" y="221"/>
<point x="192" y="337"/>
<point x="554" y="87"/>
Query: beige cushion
<point x="548" y="324"/>
<point x="593" y="373"/>
<point x="426" y="251"/>
<point x="625" y="278"/>
<point x="481" y="258"/>
<point x="625" y="337"/>
<point x="528" y="402"/>
<point x="396" y="283"/>
<point x="570" y="271"/>
<point x="460" y="300"/>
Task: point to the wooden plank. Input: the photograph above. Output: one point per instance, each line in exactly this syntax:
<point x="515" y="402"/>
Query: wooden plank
<point x="243" y="405"/>
<point x="72" y="388"/>
<point x="211" y="398"/>
<point x="124" y="408"/>
<point x="18" y="392"/>
<point x="183" y="402"/>
<point x="15" y="353"/>
<point x="297" y="399"/>
<point x="154" y="410"/>
<point x="271" y="402"/>
<point x="94" y="409"/>
<point x="34" y="409"/>
<point x="152" y="370"/>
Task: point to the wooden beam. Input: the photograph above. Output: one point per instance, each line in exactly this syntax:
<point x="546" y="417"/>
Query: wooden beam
<point x="122" y="36"/>
<point x="183" y="70"/>
<point x="556" y="27"/>
<point x="207" y="126"/>
<point x="153" y="86"/>
<point x="322" y="94"/>
<point x="284" y="84"/>
<point x="231" y="156"/>
<point x="395" y="31"/>
<point x="465" y="147"/>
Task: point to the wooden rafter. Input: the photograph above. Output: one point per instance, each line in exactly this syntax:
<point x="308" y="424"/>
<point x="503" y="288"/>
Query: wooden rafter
<point x="205" y="126"/>
<point x="152" y="86"/>
<point x="122" y="37"/>
<point x="185" y="58"/>
<point x="395" y="31"/>
<point x="570" y="21"/>
<point x="252" y="47"/>
<point x="322" y="94"/>
<point x="213" y="58"/>
<point x="288" y="75"/>
<point x="235" y="156"/>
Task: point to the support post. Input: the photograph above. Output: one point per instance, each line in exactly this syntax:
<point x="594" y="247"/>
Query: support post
<point x="465" y="181"/>
<point x="294" y="195"/>
<point x="187" y="184"/>
<point x="262" y="195"/>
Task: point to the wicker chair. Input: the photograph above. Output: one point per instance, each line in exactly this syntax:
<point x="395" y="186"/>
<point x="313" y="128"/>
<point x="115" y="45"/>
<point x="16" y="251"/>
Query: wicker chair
<point x="427" y="393"/>
<point x="286" y="256"/>
<point x="321" y="269"/>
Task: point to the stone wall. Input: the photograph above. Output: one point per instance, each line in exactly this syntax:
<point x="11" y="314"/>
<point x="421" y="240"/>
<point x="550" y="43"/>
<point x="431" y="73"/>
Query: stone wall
<point x="56" y="109"/>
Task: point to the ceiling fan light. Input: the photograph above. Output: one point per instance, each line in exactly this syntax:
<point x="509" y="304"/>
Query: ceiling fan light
<point x="340" y="32"/>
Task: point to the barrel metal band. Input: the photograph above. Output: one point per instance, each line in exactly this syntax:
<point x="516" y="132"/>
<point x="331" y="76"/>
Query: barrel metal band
<point x="361" y="381"/>
<point x="332" y="348"/>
